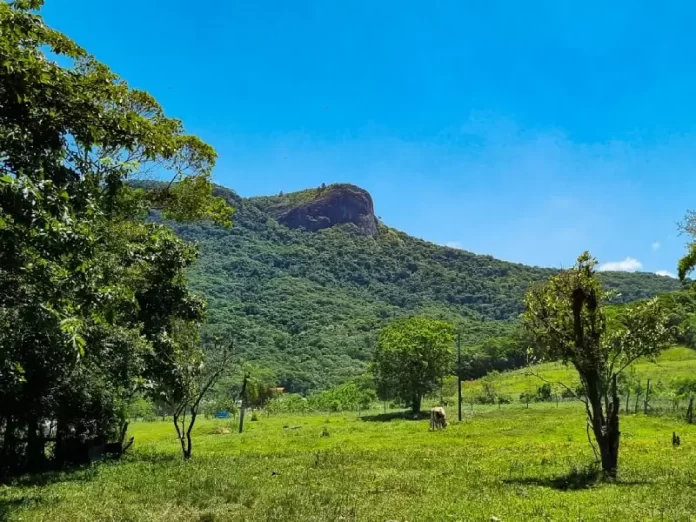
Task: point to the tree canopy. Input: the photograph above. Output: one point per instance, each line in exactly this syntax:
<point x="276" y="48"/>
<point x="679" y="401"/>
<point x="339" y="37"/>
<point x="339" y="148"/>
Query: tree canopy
<point x="90" y="291"/>
<point x="412" y="357"/>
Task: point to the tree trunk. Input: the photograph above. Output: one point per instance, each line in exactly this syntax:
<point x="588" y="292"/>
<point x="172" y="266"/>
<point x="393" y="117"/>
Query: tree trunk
<point x="9" y="445"/>
<point x="416" y="404"/>
<point x="605" y="429"/>
<point x="35" y="446"/>
<point x="609" y="450"/>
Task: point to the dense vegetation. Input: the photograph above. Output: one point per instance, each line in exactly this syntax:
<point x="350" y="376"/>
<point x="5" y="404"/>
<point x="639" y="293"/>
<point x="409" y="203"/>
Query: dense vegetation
<point x="93" y="298"/>
<point x="309" y="305"/>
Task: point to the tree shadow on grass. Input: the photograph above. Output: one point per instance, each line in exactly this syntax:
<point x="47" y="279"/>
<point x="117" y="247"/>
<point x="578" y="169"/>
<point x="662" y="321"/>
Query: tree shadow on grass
<point x="77" y="474"/>
<point x="401" y="415"/>
<point x="575" y="479"/>
<point x="9" y="505"/>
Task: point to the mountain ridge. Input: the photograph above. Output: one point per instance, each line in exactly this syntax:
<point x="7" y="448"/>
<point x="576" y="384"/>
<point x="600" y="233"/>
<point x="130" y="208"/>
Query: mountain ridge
<point x="309" y="304"/>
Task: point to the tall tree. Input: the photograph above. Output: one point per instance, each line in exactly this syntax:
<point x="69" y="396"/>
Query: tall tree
<point x="89" y="290"/>
<point x="688" y="262"/>
<point x="411" y="358"/>
<point x="566" y="317"/>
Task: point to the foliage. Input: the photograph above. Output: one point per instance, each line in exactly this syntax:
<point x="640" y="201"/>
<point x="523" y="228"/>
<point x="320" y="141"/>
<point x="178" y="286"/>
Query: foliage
<point x="489" y="393"/>
<point x="346" y="397"/>
<point x="89" y="291"/>
<point x="310" y="305"/>
<point x="413" y="355"/>
<point x="566" y="317"/>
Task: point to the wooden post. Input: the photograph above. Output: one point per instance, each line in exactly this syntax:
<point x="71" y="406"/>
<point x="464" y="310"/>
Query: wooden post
<point x="459" y="375"/>
<point x="647" y="396"/>
<point x="635" y="409"/>
<point x="628" y="397"/>
<point x="556" y="399"/>
<point x="690" y="411"/>
<point x="241" y="411"/>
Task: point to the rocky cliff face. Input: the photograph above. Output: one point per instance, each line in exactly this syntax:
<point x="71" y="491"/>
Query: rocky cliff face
<point x="334" y="205"/>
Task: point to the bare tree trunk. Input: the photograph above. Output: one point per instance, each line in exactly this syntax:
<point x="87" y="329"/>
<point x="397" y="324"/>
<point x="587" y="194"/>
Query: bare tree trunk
<point x="647" y="396"/>
<point x="181" y="434"/>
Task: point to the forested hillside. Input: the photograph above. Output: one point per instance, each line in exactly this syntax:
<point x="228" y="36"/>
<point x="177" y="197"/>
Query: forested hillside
<point x="309" y="304"/>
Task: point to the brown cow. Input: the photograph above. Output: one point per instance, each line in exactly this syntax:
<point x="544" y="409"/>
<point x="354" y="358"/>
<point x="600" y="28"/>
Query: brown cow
<point x="438" y="418"/>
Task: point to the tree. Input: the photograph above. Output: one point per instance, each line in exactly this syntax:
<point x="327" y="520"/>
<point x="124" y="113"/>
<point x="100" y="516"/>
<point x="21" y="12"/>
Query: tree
<point x="411" y="358"/>
<point x="199" y="373"/>
<point x="89" y="289"/>
<point x="566" y="318"/>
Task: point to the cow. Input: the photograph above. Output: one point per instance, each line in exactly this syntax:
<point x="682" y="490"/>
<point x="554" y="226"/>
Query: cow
<point x="438" y="418"/>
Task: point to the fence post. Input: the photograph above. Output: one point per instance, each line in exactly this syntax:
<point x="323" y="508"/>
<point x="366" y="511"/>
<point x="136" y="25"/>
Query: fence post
<point x="459" y="376"/>
<point x="647" y="395"/>
<point x="628" y="397"/>
<point x="243" y="398"/>
<point x="690" y="411"/>
<point x="635" y="410"/>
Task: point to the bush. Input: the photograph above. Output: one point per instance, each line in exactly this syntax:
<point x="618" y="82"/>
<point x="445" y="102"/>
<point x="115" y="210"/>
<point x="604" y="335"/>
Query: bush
<point x="544" y="393"/>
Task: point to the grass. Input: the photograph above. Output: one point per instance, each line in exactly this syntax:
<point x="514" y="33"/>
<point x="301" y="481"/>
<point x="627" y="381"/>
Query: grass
<point x="673" y="364"/>
<point x="513" y="464"/>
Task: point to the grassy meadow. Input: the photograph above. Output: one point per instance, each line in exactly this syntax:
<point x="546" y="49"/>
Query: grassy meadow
<point x="509" y="463"/>
<point x="673" y="364"/>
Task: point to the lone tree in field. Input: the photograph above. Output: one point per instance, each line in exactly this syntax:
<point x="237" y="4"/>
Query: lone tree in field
<point x="198" y="373"/>
<point x="412" y="356"/>
<point x="566" y="318"/>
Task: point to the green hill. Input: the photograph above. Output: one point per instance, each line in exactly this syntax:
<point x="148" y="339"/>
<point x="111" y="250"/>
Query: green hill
<point x="671" y="366"/>
<point x="309" y="304"/>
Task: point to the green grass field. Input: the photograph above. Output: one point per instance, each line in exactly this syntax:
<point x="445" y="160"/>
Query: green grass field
<point x="512" y="463"/>
<point x="673" y="364"/>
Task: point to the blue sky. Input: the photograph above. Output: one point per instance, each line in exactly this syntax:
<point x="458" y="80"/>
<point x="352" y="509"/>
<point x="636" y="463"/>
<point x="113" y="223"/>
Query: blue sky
<point x="528" y="131"/>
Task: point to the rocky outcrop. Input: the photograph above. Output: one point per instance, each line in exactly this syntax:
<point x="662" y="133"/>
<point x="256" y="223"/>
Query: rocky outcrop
<point x="334" y="205"/>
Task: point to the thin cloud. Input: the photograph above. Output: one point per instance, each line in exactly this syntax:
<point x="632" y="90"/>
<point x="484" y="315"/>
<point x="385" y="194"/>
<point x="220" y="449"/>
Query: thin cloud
<point x="656" y="245"/>
<point x="453" y="244"/>
<point x="666" y="273"/>
<point x="627" y="265"/>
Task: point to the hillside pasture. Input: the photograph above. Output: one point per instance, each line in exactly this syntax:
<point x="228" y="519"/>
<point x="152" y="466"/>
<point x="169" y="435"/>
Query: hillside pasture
<point x="672" y="365"/>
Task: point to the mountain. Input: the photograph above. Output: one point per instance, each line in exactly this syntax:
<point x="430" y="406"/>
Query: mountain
<point x="303" y="282"/>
